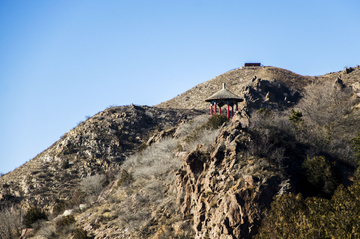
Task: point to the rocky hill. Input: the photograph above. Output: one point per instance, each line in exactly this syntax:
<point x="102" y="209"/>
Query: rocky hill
<point x="169" y="171"/>
<point x="267" y="86"/>
<point x="97" y="145"/>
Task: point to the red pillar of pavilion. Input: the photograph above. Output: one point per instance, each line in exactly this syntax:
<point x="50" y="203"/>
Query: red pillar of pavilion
<point x="219" y="110"/>
<point x="215" y="109"/>
<point x="211" y="110"/>
<point x="228" y="111"/>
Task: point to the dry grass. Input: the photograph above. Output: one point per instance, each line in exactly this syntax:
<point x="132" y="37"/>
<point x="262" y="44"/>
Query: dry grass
<point x="205" y="138"/>
<point x="151" y="172"/>
<point x="190" y="126"/>
<point x="155" y="161"/>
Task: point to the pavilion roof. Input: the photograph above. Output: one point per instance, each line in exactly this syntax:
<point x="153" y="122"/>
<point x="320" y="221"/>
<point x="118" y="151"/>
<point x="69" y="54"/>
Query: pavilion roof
<point x="223" y="95"/>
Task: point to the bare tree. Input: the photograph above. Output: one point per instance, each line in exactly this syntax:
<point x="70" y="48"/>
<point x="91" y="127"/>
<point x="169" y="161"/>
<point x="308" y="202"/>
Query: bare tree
<point x="10" y="222"/>
<point x="92" y="186"/>
<point x="325" y="103"/>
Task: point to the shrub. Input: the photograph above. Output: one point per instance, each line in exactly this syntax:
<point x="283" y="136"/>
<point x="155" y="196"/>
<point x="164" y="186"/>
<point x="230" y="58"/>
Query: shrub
<point x="325" y="104"/>
<point x="142" y="147"/>
<point x="356" y="148"/>
<point x="125" y="178"/>
<point x="320" y="174"/>
<point x="33" y="214"/>
<point x="205" y="138"/>
<point x="65" y="164"/>
<point x="356" y="145"/>
<point x="147" y="176"/>
<point x="168" y="232"/>
<point x="187" y="128"/>
<point x="47" y="230"/>
<point x="65" y="221"/>
<point x="265" y="112"/>
<point x="279" y="221"/>
<point x="272" y="137"/>
<point x="110" y="175"/>
<point x="59" y="207"/>
<point x="215" y="121"/>
<point x="78" y="197"/>
<point x="295" y="117"/>
<point x="119" y="134"/>
<point x="80" y="234"/>
<point x="10" y="223"/>
<point x="156" y="160"/>
<point x="291" y="216"/>
<point x="92" y="186"/>
<point x="179" y="148"/>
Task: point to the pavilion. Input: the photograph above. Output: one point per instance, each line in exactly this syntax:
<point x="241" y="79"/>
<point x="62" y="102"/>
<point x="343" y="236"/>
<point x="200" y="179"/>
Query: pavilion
<point x="224" y="97"/>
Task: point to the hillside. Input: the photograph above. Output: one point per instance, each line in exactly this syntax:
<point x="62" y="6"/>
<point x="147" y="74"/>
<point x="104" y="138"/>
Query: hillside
<point x="171" y="171"/>
<point x="254" y="83"/>
<point x="97" y="145"/>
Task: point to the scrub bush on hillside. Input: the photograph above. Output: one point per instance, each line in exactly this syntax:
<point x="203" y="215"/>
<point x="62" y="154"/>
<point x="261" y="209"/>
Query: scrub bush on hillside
<point x="92" y="186"/>
<point x="292" y="216"/>
<point x="10" y="223"/>
<point x="33" y="215"/>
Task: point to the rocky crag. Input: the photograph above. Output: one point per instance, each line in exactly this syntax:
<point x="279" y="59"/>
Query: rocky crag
<point x="225" y="189"/>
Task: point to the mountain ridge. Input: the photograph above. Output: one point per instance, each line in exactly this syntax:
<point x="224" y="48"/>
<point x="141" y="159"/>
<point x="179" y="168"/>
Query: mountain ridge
<point x="236" y="81"/>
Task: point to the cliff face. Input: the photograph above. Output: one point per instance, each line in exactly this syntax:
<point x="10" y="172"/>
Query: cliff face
<point x="225" y="189"/>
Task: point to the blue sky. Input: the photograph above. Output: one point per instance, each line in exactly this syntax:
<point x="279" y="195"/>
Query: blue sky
<point x="61" y="61"/>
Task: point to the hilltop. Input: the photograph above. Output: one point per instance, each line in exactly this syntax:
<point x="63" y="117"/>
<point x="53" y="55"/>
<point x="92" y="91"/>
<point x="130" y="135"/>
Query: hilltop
<point x="172" y="171"/>
<point x="285" y="87"/>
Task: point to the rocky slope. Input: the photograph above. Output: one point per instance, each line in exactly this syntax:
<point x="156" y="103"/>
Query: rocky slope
<point x="97" y="145"/>
<point x="167" y="176"/>
<point x="215" y="190"/>
<point x="225" y="189"/>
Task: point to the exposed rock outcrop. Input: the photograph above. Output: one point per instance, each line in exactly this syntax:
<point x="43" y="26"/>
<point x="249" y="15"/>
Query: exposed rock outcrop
<point x="226" y="191"/>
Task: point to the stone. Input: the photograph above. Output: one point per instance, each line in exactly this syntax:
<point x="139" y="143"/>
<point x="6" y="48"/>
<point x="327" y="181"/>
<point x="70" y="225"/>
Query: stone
<point x="270" y="97"/>
<point x="68" y="212"/>
<point x="27" y="232"/>
<point x="249" y="181"/>
<point x="83" y="206"/>
<point x="356" y="86"/>
<point x="338" y="83"/>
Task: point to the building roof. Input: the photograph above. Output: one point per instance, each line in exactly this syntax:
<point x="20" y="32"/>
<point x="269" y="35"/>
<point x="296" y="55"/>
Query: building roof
<point x="224" y="95"/>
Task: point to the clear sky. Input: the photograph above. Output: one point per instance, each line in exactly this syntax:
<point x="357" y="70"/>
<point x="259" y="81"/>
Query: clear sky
<point x="63" y="60"/>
